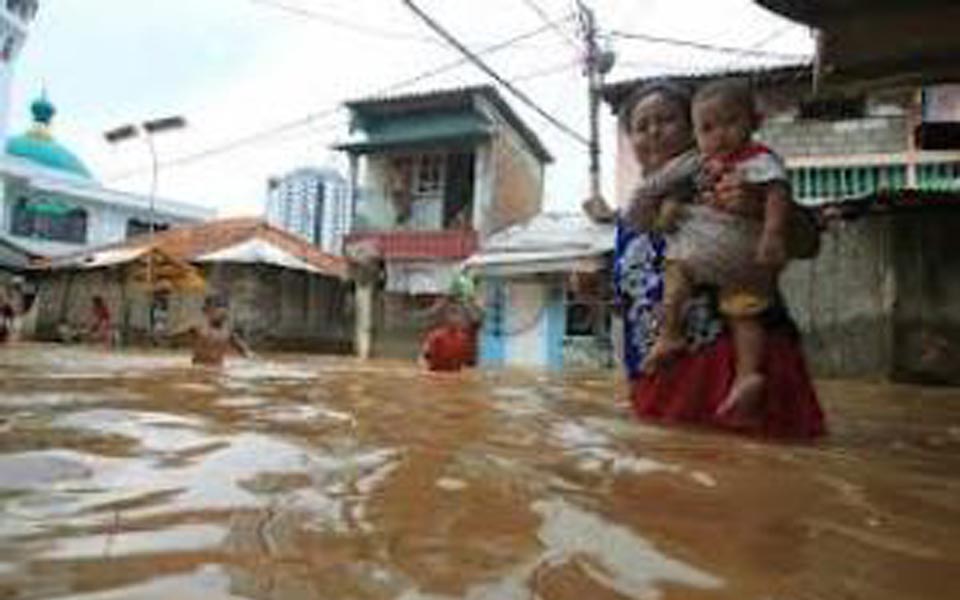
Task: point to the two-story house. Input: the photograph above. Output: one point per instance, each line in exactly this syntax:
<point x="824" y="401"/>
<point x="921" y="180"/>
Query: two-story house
<point x="431" y="175"/>
<point x="882" y="297"/>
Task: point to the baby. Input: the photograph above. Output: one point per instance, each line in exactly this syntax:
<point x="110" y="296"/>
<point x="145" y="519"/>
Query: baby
<point x="741" y="255"/>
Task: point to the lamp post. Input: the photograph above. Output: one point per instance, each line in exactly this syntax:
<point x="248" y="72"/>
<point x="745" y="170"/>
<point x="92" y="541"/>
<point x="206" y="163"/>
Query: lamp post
<point x="147" y="130"/>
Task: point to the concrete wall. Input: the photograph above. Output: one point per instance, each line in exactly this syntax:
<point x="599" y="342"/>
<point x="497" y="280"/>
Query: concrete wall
<point x="842" y="301"/>
<point x="794" y="138"/>
<point x="883" y="299"/>
<point x="401" y="323"/>
<point x="273" y="308"/>
<point x="926" y="331"/>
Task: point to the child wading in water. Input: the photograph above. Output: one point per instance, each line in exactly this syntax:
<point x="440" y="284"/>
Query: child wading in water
<point x="741" y="255"/>
<point x="451" y="345"/>
<point x="214" y="338"/>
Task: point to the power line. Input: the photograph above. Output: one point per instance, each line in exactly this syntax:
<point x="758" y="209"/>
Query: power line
<point x="546" y="71"/>
<point x="314" y="15"/>
<point x="708" y="47"/>
<point x="311" y="119"/>
<point x="479" y="62"/>
<point x="566" y="37"/>
<point x="769" y="38"/>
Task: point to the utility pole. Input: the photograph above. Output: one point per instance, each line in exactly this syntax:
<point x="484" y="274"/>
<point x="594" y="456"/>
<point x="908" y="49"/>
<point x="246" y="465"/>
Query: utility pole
<point x="597" y="63"/>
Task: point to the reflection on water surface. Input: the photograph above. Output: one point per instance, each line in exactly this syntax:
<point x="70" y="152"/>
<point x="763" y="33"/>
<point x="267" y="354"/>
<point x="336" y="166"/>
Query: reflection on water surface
<point x="136" y="476"/>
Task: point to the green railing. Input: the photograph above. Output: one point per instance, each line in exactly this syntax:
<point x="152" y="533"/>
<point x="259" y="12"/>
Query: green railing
<point x="823" y="184"/>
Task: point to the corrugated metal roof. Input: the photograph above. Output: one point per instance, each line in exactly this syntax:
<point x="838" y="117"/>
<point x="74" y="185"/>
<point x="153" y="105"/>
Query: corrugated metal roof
<point x="795" y="74"/>
<point x="550" y="242"/>
<point x="463" y="97"/>
<point x="417" y="130"/>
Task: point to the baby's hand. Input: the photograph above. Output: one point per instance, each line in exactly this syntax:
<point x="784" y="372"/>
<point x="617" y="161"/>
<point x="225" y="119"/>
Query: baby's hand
<point x="671" y="214"/>
<point x="772" y="250"/>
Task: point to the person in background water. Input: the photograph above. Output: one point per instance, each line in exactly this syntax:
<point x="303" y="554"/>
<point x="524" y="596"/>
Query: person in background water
<point x="7" y="317"/>
<point x="101" y="327"/>
<point x="448" y="347"/>
<point x="213" y="339"/>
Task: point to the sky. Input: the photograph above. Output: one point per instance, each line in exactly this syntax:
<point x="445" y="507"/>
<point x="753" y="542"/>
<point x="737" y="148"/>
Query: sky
<point x="235" y="68"/>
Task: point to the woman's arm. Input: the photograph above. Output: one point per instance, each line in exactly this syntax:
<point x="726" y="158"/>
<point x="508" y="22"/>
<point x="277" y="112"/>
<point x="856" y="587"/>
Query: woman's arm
<point x="599" y="211"/>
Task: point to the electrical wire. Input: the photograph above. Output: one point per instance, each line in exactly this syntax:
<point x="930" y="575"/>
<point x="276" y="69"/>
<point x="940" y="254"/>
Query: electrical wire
<point x="565" y="36"/>
<point x="314" y="15"/>
<point x="654" y="39"/>
<point x="312" y="119"/>
<point x="479" y="62"/>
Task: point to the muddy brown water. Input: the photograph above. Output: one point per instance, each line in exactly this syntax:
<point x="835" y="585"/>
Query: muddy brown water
<point x="135" y="476"/>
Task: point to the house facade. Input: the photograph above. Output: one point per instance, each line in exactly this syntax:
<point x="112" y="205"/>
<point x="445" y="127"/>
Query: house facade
<point x="51" y="204"/>
<point x="894" y="152"/>
<point x="432" y="175"/>
<point x="535" y="317"/>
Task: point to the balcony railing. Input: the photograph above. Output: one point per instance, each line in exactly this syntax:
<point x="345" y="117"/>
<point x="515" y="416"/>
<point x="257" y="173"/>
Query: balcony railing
<point x="417" y="245"/>
<point x="838" y="180"/>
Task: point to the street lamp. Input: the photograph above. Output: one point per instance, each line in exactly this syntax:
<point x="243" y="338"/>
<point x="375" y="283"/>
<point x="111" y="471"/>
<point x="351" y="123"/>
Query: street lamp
<point x="146" y="130"/>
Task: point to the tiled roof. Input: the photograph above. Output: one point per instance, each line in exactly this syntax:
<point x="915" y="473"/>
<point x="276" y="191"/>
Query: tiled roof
<point x="450" y="99"/>
<point x="193" y="242"/>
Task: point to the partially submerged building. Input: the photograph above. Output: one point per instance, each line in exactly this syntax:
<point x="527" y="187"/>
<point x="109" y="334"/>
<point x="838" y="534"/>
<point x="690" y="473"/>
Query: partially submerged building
<point x="284" y="293"/>
<point x="432" y="175"/>
<point x="534" y="315"/>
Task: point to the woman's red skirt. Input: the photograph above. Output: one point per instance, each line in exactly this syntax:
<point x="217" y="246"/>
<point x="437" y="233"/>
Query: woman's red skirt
<point x="691" y="389"/>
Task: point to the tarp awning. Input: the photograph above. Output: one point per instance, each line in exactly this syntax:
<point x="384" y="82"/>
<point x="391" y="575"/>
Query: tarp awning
<point x="261" y="252"/>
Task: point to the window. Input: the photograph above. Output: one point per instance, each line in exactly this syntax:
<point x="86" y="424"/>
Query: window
<point x="834" y="109"/>
<point x="939" y="136"/>
<point x="50" y="219"/>
<point x="429" y="175"/>
<point x="25" y="9"/>
<point x="137" y="227"/>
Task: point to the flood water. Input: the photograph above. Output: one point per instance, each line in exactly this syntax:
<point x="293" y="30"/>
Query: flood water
<point x="134" y="476"/>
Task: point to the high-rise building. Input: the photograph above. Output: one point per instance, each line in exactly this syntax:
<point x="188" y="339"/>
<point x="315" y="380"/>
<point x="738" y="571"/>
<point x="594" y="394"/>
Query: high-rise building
<point x="15" y="19"/>
<point x="312" y="203"/>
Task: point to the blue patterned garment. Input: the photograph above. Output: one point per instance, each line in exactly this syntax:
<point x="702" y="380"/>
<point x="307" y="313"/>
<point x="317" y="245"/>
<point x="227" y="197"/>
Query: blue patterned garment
<point x="638" y="284"/>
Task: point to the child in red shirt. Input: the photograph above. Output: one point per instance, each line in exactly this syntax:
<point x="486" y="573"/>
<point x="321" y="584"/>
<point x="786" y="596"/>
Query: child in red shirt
<point x="449" y="346"/>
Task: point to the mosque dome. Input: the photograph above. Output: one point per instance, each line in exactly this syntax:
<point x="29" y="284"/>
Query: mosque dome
<point x="38" y="145"/>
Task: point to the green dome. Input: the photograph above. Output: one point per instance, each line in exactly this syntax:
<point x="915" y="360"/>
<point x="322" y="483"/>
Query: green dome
<point x="38" y="145"/>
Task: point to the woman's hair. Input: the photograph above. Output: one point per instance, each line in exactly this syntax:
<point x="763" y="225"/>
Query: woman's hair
<point x="671" y="90"/>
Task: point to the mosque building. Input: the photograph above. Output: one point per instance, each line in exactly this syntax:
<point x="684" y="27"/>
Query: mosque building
<point x="50" y="202"/>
